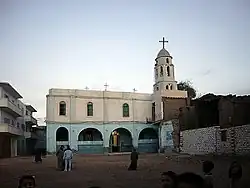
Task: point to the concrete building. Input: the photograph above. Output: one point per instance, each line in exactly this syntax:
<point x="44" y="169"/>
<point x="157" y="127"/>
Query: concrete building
<point x="16" y="120"/>
<point x="108" y="121"/>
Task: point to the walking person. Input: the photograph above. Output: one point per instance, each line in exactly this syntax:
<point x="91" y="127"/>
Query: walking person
<point x="67" y="157"/>
<point x="60" y="161"/>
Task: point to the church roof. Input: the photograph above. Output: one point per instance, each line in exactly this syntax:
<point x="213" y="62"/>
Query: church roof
<point x="163" y="53"/>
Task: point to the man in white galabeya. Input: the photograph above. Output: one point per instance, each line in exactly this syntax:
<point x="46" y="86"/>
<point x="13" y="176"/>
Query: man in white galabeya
<point x="67" y="157"/>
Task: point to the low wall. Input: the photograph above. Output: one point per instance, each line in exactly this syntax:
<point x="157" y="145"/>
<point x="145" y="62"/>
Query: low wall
<point x="209" y="140"/>
<point x="199" y="141"/>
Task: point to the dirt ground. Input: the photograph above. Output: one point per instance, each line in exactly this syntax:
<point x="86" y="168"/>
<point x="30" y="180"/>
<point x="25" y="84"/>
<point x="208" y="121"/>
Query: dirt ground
<point x="111" y="171"/>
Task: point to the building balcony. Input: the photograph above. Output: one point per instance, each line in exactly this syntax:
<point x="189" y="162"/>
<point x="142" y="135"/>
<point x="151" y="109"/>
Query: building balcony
<point x="30" y="120"/>
<point x="10" y="108"/>
<point x="10" y="129"/>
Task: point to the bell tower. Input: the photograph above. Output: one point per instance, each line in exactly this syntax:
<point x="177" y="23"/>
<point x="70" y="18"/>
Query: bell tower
<point x="164" y="71"/>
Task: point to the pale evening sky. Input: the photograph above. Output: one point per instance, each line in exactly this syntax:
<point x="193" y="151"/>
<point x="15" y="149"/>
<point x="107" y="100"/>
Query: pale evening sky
<point x="74" y="44"/>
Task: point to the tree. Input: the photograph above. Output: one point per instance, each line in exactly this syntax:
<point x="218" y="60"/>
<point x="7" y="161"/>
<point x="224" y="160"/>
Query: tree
<point x="187" y="86"/>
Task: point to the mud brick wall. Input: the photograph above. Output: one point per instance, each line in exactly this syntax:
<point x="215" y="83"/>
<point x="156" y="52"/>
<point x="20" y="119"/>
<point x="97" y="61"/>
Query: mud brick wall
<point x="209" y="140"/>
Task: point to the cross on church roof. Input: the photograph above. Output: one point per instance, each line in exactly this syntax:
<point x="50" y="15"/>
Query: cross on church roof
<point x="163" y="42"/>
<point x="106" y="86"/>
<point x="134" y="90"/>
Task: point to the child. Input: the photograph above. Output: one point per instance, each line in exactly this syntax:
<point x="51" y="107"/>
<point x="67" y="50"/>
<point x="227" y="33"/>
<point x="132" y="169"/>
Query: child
<point x="235" y="174"/>
<point x="208" y="166"/>
<point x="168" y="179"/>
<point x="27" y="181"/>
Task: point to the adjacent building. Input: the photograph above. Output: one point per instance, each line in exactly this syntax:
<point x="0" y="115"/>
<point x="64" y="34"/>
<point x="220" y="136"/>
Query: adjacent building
<point x="16" y="120"/>
<point x="109" y="121"/>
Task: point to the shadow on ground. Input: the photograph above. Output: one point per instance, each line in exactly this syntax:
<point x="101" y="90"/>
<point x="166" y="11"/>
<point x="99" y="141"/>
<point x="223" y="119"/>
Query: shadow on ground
<point x="111" y="171"/>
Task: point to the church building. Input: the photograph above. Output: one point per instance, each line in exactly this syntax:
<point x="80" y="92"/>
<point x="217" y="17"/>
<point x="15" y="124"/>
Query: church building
<point x="109" y="121"/>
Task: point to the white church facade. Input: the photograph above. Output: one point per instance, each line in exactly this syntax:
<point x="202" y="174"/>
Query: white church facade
<point x="110" y="121"/>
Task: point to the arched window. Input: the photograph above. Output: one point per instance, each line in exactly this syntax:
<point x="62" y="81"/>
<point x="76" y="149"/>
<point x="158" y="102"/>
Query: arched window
<point x="62" y="108"/>
<point x="168" y="71"/>
<point x="156" y="73"/>
<point x="125" y="110"/>
<point x="171" y="87"/>
<point x="167" y="60"/>
<point x="167" y="87"/>
<point x="90" y="109"/>
<point x="161" y="72"/>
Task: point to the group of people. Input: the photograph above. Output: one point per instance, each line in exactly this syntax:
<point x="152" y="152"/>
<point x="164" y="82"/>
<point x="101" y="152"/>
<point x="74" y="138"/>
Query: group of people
<point x="64" y="158"/>
<point x="169" y="179"/>
<point x="191" y="180"/>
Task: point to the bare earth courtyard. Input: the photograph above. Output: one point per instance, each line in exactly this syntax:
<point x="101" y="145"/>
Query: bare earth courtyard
<point x="110" y="171"/>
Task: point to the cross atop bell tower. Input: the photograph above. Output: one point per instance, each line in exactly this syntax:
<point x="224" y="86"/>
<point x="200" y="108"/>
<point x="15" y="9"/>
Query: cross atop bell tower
<point x="163" y="42"/>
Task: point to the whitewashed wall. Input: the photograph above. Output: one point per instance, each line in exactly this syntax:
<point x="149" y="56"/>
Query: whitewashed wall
<point x="107" y="106"/>
<point x="199" y="141"/>
<point x="208" y="140"/>
<point x="242" y="140"/>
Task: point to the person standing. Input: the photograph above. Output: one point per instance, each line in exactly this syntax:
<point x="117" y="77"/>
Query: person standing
<point x="38" y="155"/>
<point x="134" y="159"/>
<point x="207" y="167"/>
<point x="67" y="157"/>
<point x="59" y="155"/>
<point x="235" y="174"/>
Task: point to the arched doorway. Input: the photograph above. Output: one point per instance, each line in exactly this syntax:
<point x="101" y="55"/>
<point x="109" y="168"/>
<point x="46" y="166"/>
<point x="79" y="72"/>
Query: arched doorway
<point x="148" y="141"/>
<point x="90" y="141"/>
<point x="62" y="137"/>
<point x="120" y="140"/>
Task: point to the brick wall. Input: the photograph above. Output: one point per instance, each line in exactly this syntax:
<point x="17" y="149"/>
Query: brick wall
<point x="171" y="107"/>
<point x="216" y="140"/>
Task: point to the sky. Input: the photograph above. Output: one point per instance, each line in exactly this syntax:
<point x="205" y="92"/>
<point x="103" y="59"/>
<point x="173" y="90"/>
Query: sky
<point x="73" y="44"/>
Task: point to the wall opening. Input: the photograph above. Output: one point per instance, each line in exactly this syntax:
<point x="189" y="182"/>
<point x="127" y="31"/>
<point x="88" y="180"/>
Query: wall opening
<point x="120" y="140"/>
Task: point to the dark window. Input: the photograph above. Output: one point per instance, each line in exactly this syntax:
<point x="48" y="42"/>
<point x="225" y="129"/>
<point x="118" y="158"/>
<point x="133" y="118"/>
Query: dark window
<point x="223" y="135"/>
<point x="90" y="109"/>
<point x="62" y="108"/>
<point x="156" y="73"/>
<point x="171" y="87"/>
<point x="167" y="87"/>
<point x="153" y="111"/>
<point x="27" y="129"/>
<point x="6" y="120"/>
<point x="12" y="122"/>
<point x="168" y="71"/>
<point x="157" y="88"/>
<point x="17" y="125"/>
<point x="6" y="96"/>
<point x="167" y="60"/>
<point x="23" y="127"/>
<point x="161" y="71"/>
<point x="27" y="113"/>
<point x="125" y="109"/>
